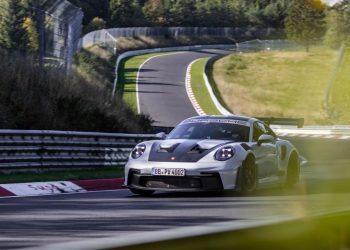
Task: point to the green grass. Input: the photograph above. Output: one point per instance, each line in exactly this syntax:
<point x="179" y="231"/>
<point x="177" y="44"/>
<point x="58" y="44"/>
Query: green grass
<point x="276" y="83"/>
<point x="127" y="74"/>
<point x="96" y="65"/>
<point x="340" y="94"/>
<point x="199" y="88"/>
<point x="63" y="175"/>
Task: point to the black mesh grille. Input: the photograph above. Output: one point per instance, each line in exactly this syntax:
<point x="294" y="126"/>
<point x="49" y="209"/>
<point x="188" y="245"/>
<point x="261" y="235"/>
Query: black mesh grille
<point x="170" y="182"/>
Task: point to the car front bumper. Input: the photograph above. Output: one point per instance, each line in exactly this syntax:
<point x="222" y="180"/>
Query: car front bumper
<point x="202" y="182"/>
<point x="199" y="176"/>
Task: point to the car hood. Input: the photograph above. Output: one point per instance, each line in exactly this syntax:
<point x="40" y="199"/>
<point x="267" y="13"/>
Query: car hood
<point x="183" y="150"/>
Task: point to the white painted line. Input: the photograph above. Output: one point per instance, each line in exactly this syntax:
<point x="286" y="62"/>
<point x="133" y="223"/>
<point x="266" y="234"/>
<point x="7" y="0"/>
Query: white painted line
<point x="212" y="95"/>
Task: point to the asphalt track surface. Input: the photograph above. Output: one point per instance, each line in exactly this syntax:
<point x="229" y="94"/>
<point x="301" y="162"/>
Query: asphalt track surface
<point x="41" y="220"/>
<point x="161" y="86"/>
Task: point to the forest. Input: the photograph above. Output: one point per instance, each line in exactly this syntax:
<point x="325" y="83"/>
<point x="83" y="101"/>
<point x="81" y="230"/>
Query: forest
<point x="304" y="21"/>
<point x="320" y="22"/>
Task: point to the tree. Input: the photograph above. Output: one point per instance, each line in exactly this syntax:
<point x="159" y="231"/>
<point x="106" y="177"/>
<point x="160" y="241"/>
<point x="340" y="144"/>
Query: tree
<point x="32" y="34"/>
<point x="305" y="22"/>
<point x="96" y="24"/>
<point x="275" y="12"/>
<point x="92" y="9"/>
<point x="157" y="12"/>
<point x="338" y="24"/>
<point x="182" y="13"/>
<point x="124" y="13"/>
<point x="13" y="34"/>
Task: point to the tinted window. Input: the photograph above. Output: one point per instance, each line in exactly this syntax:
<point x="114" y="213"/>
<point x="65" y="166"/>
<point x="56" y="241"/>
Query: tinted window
<point x="211" y="130"/>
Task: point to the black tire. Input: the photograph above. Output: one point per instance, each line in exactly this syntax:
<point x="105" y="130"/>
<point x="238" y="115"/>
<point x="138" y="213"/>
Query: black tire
<point x="142" y="192"/>
<point x="293" y="171"/>
<point x="248" y="175"/>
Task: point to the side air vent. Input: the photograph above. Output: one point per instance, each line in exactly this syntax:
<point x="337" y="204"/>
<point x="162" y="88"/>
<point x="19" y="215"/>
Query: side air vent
<point x="246" y="146"/>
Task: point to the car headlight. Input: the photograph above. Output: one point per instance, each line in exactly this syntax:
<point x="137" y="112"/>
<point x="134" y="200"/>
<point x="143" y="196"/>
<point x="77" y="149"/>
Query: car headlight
<point x="224" y="153"/>
<point x="138" y="151"/>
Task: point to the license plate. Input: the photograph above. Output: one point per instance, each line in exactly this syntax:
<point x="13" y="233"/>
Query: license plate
<point x="168" y="171"/>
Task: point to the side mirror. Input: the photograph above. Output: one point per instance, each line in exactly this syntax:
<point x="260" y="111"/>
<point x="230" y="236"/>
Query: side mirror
<point x="265" y="139"/>
<point x="160" y="136"/>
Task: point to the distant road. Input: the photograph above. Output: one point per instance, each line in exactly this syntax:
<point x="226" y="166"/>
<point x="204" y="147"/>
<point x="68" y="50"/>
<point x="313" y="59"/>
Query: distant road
<point x="162" y="92"/>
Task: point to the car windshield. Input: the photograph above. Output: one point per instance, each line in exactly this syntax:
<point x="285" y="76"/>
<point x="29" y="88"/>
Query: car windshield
<point x="210" y="130"/>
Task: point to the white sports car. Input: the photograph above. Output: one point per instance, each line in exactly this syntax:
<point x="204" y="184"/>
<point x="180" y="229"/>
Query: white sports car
<point x="209" y="153"/>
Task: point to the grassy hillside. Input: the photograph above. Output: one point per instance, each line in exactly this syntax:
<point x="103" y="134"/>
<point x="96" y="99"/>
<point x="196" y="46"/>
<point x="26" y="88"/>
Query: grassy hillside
<point x="31" y="98"/>
<point x="96" y="66"/>
<point x="276" y="83"/>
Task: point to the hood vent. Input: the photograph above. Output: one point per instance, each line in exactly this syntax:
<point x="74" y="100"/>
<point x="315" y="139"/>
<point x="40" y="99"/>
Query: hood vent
<point x="196" y="150"/>
<point x="164" y="149"/>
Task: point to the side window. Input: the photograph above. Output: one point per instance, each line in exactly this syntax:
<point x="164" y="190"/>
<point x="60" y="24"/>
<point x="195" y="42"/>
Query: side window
<point x="258" y="130"/>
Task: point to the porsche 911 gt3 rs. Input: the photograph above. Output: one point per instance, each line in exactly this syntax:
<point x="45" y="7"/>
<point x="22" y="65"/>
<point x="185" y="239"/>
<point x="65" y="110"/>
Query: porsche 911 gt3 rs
<point x="210" y="153"/>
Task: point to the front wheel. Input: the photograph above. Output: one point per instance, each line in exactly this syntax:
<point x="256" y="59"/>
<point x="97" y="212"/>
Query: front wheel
<point x="248" y="175"/>
<point x="142" y="192"/>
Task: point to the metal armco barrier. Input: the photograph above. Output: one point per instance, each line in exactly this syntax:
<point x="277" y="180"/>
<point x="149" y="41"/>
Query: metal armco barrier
<point x="40" y="150"/>
<point x="43" y="150"/>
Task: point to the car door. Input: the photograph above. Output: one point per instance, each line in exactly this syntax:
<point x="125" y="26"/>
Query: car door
<point x="266" y="153"/>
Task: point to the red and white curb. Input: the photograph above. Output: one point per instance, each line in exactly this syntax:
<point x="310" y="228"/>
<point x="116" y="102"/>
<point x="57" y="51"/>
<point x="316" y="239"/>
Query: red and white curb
<point x="189" y="90"/>
<point x="59" y="187"/>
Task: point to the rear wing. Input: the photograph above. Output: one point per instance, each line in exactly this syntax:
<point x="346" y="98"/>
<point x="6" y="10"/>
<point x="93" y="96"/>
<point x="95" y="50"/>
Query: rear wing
<point x="299" y="122"/>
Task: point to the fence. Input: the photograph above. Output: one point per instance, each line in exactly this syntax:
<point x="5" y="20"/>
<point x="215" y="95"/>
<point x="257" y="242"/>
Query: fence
<point x="108" y="37"/>
<point x="259" y="45"/>
<point x="58" y="25"/>
<point x="37" y="150"/>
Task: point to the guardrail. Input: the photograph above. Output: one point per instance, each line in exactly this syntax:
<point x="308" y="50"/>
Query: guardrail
<point x="41" y="150"/>
<point x="44" y="150"/>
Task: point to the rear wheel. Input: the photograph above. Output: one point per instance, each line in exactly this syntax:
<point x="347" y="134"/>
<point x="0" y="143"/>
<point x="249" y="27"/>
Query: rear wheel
<point x="248" y="177"/>
<point x="142" y="192"/>
<point x="293" y="171"/>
